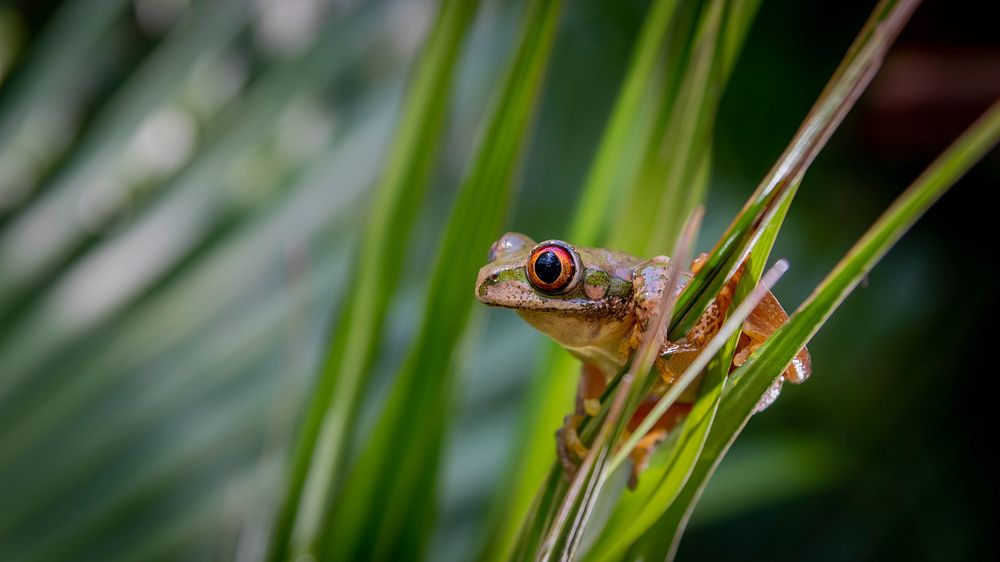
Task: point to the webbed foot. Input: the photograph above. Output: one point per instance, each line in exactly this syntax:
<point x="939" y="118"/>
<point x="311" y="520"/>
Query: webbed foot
<point x="570" y="450"/>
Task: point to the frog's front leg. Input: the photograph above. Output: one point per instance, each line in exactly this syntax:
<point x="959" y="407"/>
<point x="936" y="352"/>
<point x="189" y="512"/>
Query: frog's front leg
<point x="649" y="283"/>
<point x="569" y="447"/>
<point x="715" y="315"/>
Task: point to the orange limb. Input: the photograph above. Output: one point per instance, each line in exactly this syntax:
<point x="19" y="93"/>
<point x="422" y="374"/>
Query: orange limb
<point x="767" y="317"/>
<point x="762" y="322"/>
<point x="569" y="448"/>
<point x="644" y="449"/>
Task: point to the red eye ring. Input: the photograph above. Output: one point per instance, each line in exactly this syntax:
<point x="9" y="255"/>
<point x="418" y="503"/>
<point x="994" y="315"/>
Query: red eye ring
<point x="551" y="267"/>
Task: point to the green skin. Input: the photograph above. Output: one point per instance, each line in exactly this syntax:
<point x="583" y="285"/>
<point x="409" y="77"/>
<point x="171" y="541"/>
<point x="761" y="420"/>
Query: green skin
<point x="609" y="301"/>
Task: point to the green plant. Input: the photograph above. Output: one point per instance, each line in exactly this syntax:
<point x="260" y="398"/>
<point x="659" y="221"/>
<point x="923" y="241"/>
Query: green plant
<point x="156" y="354"/>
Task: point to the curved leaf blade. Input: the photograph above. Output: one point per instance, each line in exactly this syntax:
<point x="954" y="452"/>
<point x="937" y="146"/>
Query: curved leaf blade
<point x="314" y="471"/>
<point x="749" y="382"/>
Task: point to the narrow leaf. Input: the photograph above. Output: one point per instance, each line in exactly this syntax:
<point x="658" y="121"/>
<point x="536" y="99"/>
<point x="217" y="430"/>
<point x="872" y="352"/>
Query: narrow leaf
<point x="752" y="379"/>
<point x="388" y="501"/>
<point x="626" y="137"/>
<point x="855" y="72"/>
<point x="315" y="470"/>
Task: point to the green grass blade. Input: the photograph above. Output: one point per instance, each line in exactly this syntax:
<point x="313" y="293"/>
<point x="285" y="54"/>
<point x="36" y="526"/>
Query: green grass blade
<point x="628" y="131"/>
<point x="726" y="333"/>
<point x="684" y="158"/>
<point x="674" y="175"/>
<point x="752" y="231"/>
<point x="640" y="511"/>
<point x="352" y="350"/>
<point x="392" y="485"/>
<point x="566" y="530"/>
<point x="626" y="136"/>
<point x="855" y="72"/>
<point x="861" y="63"/>
<point x="663" y="39"/>
<point x="638" y="518"/>
<point x="667" y="193"/>
<point x="751" y="380"/>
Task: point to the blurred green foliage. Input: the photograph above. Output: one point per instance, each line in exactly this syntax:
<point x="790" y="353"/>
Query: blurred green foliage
<point x="182" y="184"/>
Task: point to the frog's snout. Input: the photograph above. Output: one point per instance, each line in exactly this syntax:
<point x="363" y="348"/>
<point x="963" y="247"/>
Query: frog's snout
<point x="484" y="287"/>
<point x="484" y="281"/>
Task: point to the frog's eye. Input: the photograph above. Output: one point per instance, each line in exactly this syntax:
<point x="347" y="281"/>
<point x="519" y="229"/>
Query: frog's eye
<point x="552" y="268"/>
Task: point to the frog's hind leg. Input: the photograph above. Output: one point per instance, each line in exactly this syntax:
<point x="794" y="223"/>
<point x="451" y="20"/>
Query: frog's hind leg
<point x="762" y="322"/>
<point x="644" y="449"/>
<point x="569" y="448"/>
<point x="767" y="317"/>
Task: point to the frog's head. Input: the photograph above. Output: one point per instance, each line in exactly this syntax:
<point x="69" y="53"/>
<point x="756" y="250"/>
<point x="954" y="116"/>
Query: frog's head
<point x="578" y="296"/>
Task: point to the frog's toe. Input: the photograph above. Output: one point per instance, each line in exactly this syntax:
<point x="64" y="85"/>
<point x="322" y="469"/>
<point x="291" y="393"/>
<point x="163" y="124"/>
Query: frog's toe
<point x="800" y="368"/>
<point x="569" y="448"/>
<point x="673" y="348"/>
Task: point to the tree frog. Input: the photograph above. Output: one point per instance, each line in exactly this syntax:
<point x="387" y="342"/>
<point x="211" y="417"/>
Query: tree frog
<point x="597" y="303"/>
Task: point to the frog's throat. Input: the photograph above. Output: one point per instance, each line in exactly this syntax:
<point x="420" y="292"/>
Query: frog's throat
<point x="593" y="339"/>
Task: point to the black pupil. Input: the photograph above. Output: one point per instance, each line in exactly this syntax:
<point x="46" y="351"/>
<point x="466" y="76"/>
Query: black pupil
<point x="548" y="267"/>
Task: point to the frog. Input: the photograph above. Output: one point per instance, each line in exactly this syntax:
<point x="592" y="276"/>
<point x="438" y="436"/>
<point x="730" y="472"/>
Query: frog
<point x="597" y="304"/>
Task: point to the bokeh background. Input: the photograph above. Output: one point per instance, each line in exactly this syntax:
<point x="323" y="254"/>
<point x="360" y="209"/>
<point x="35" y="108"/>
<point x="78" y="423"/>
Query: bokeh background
<point x="182" y="183"/>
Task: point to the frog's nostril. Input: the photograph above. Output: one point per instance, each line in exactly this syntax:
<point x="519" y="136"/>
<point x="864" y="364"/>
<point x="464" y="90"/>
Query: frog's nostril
<point x="494" y="278"/>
